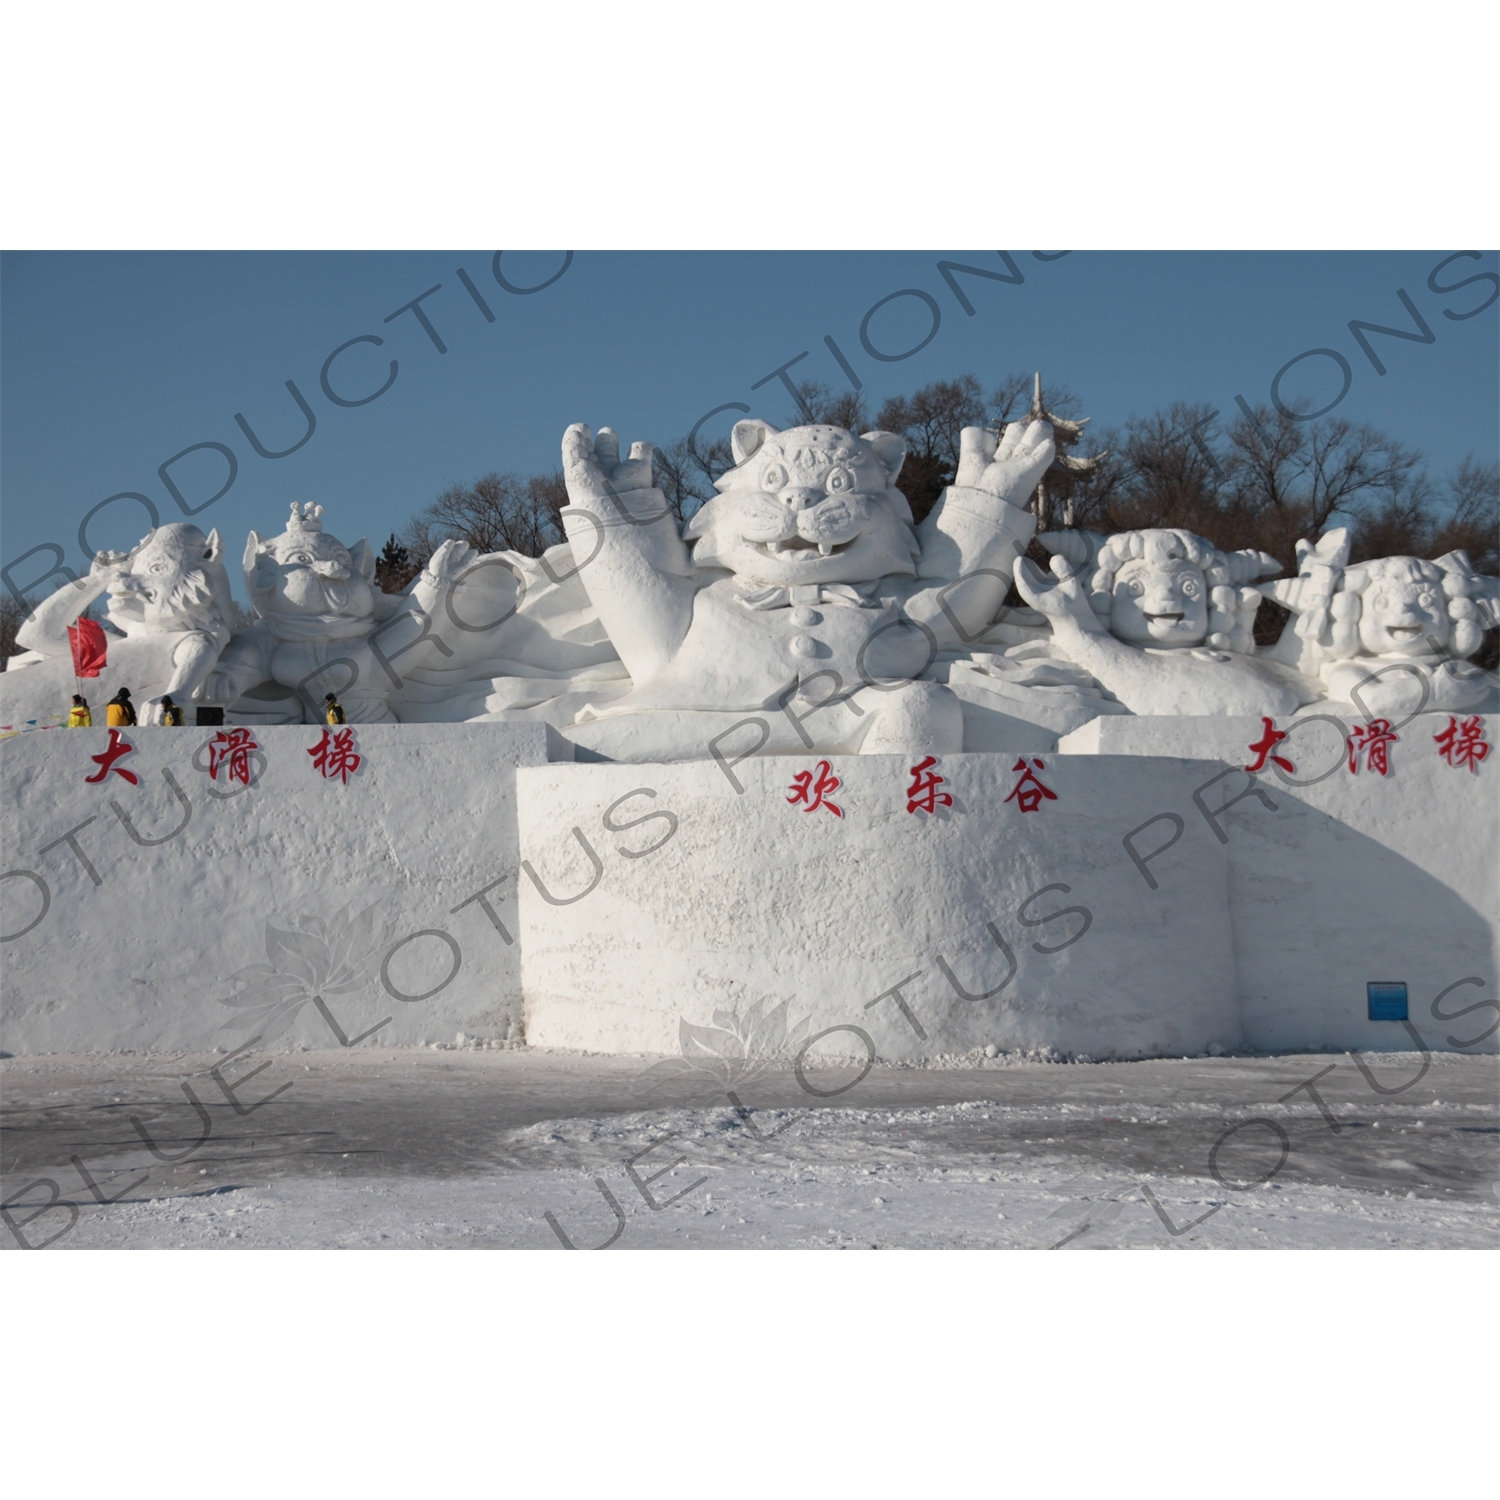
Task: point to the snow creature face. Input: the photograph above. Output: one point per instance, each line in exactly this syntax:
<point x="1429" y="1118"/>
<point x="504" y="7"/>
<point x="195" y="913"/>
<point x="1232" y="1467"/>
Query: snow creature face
<point x="1404" y="612"/>
<point x="1160" y="604"/>
<point x="175" y="581"/>
<point x="810" y="505"/>
<point x="1165" y="587"/>
<point x="305" y="571"/>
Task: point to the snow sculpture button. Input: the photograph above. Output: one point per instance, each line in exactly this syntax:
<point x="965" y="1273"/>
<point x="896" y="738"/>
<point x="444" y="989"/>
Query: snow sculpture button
<point x="804" y="645"/>
<point x="802" y="615"/>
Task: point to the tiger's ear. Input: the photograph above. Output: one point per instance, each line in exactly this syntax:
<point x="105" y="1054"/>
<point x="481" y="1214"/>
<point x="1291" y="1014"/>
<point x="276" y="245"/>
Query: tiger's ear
<point x="746" y="439"/>
<point x="213" y="550"/>
<point x="890" y="449"/>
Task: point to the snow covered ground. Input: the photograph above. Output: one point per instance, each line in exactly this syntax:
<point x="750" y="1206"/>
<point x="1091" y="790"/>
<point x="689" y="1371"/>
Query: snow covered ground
<point x="524" y="1149"/>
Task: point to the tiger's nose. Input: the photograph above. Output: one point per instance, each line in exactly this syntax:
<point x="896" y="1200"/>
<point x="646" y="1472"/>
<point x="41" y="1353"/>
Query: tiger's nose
<point x="796" y="498"/>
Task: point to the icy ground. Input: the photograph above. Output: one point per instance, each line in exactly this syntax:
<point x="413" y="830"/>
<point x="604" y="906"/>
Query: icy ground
<point x="517" y="1149"/>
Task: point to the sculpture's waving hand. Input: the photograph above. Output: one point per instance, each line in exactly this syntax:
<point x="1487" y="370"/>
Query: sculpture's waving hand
<point x="1063" y="600"/>
<point x="1007" y="467"/>
<point x="592" y="466"/>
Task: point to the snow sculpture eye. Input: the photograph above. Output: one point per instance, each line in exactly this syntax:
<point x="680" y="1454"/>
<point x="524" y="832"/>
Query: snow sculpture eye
<point x="839" y="482"/>
<point x="1378" y="602"/>
<point x="1190" y="588"/>
<point x="773" y="478"/>
<point x="1136" y="587"/>
<point x="1425" y="599"/>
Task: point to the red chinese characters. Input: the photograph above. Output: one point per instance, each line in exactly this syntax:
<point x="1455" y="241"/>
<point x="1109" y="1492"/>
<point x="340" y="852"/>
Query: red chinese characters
<point x="1373" y="742"/>
<point x="1029" y="793"/>
<point x="334" y="755"/>
<point x="231" y="749"/>
<point x="1463" y="744"/>
<point x="118" y="746"/>
<point x="1263" y="747"/>
<point x="923" y="795"/>
<point x="812" y="789"/>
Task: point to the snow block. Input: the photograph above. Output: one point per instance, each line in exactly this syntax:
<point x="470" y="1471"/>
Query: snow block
<point x="660" y="898"/>
<point x="1353" y="878"/>
<point x="184" y="912"/>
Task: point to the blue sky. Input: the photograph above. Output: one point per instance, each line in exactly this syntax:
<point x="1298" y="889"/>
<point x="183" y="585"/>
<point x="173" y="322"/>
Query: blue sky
<point x="112" y="363"/>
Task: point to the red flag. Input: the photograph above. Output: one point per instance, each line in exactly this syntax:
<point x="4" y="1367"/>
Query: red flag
<point x="87" y="641"/>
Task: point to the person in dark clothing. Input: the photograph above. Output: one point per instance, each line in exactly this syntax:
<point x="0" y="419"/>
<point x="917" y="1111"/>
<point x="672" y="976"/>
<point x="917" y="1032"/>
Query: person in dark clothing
<point x="119" y="713"/>
<point x="171" y="713"/>
<point x="333" y="710"/>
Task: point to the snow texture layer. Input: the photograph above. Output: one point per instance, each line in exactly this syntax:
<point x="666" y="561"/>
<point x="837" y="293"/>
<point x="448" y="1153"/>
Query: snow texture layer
<point x="398" y="1150"/>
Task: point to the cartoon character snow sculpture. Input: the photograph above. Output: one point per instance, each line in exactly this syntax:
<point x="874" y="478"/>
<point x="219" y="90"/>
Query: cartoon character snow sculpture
<point x="170" y="600"/>
<point x="1165" y="623"/>
<point x="432" y="652"/>
<point x="800" y="610"/>
<point x="1388" y="636"/>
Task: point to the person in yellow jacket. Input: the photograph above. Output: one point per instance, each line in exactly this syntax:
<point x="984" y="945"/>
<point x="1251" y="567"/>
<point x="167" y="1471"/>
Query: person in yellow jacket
<point x="333" y="710"/>
<point x="171" y="713"/>
<point x="119" y="713"/>
<point x="79" y="716"/>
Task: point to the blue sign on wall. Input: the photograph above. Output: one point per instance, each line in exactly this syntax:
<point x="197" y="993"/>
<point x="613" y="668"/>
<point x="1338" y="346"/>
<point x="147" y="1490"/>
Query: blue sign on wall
<point x="1387" y="1000"/>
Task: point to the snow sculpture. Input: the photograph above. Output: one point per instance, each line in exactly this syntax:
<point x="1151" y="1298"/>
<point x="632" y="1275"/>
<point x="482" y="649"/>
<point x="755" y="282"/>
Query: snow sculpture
<point x="1388" y="636"/>
<point x="468" y="619"/>
<point x="1166" y="623"/>
<point x="808" y="610"/>
<point x="169" y="598"/>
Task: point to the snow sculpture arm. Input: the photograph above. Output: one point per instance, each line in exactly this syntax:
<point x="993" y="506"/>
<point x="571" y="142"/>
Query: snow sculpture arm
<point x="464" y="591"/>
<point x="979" y="528"/>
<point x="631" y="559"/>
<point x="45" y="629"/>
<point x="1153" y="681"/>
<point x="243" y="664"/>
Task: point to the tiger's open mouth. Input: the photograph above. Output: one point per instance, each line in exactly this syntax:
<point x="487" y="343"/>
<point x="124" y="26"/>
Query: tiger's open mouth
<point x="1170" y="619"/>
<point x="1404" y="632"/>
<point x="798" y="548"/>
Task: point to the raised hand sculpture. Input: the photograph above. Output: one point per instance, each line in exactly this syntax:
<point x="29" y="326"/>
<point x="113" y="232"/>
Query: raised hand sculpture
<point x="1164" y="621"/>
<point x="170" y="601"/>
<point x="800" y="596"/>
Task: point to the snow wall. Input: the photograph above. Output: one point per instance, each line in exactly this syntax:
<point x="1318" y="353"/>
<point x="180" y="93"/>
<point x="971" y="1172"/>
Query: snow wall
<point x="142" y="903"/>
<point x="1162" y="901"/>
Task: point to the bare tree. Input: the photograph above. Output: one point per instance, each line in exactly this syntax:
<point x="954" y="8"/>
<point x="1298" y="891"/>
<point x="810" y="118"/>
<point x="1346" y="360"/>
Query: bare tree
<point x="1012" y="399"/>
<point x="1266" y="483"/>
<point x="930" y="420"/>
<point x="712" y="460"/>
<point x="818" y="403"/>
<point x="683" y="477"/>
<point x="1156" y="474"/>
<point x="496" y="513"/>
<point x="1289" y="478"/>
<point x="13" y="613"/>
<point x="1473" y="518"/>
